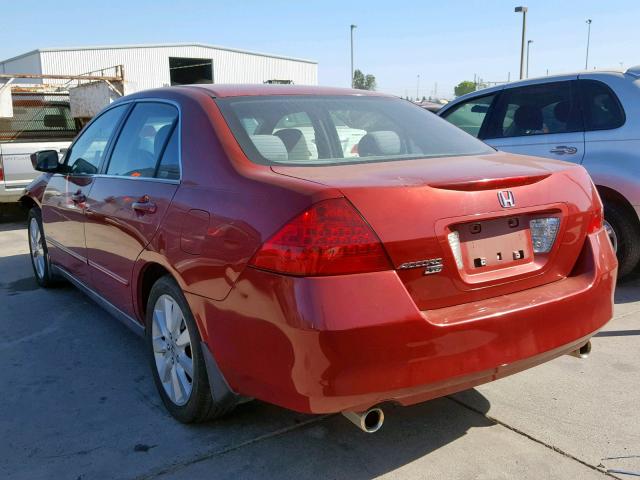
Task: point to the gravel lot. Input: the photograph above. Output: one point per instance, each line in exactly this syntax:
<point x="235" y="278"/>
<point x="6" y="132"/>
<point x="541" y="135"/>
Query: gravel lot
<point x="78" y="402"/>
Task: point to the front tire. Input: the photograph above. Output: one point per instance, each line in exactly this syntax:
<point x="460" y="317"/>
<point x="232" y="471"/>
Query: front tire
<point x="625" y="236"/>
<point x="38" y="250"/>
<point x="176" y="357"/>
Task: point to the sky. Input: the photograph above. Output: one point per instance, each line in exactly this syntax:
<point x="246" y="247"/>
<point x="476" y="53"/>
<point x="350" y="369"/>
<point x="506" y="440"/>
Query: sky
<point x="444" y="42"/>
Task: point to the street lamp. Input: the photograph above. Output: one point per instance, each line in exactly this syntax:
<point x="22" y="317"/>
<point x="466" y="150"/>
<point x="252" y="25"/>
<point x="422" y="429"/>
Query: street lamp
<point x="418" y="89"/>
<point x="586" y="60"/>
<point x="353" y="27"/>
<point x="529" y="42"/>
<point x="524" y="30"/>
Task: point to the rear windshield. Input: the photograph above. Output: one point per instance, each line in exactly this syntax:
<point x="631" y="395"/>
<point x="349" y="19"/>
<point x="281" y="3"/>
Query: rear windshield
<point x="331" y="130"/>
<point x="35" y="119"/>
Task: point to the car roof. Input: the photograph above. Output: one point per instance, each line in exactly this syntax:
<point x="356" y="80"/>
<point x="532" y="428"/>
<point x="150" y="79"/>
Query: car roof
<point x="633" y="71"/>
<point x="229" y="90"/>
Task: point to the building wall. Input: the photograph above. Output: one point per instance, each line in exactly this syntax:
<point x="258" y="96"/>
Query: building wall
<point x="148" y="67"/>
<point x="28" y="63"/>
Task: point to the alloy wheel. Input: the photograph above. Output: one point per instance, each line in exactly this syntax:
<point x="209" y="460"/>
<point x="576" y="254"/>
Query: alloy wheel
<point x="172" y="349"/>
<point x="37" y="248"/>
<point x="612" y="235"/>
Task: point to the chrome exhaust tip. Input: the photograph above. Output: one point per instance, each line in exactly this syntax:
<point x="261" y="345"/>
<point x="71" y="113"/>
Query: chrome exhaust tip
<point x="583" y="351"/>
<point x="370" y="421"/>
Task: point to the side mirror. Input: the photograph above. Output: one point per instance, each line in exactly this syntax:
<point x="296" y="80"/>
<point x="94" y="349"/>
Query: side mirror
<point x="45" y="161"/>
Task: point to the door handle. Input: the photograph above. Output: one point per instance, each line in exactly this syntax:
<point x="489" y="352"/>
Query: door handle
<point x="78" y="197"/>
<point x="144" y="205"/>
<point x="563" y="149"/>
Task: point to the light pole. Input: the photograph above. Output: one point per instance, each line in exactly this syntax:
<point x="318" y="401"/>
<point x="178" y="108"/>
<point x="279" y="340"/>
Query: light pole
<point x="418" y="89"/>
<point x="529" y="42"/>
<point x="586" y="60"/>
<point x="524" y="30"/>
<point x="353" y="27"/>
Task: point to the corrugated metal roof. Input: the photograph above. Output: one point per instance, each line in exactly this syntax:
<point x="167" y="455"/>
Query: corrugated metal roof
<point x="157" y="45"/>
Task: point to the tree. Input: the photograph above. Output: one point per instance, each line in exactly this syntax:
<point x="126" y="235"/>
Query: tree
<point x="363" y="82"/>
<point x="464" y="87"/>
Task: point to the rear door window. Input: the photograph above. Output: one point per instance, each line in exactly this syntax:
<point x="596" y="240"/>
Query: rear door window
<point x="142" y="141"/>
<point x="602" y="109"/>
<point x="536" y="110"/>
<point x="471" y="115"/>
<point x="169" y="168"/>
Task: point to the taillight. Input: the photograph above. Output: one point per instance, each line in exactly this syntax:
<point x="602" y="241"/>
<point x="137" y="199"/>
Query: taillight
<point x="329" y="238"/>
<point x="1" y="170"/>
<point x="543" y="233"/>
<point x="596" y="221"/>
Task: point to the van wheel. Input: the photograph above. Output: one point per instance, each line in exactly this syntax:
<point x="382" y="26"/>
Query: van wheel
<point x="625" y="237"/>
<point x="40" y="261"/>
<point x="176" y="356"/>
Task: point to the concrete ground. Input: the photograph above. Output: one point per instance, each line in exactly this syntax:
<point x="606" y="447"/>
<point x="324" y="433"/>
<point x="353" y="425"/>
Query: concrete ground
<point x="78" y="402"/>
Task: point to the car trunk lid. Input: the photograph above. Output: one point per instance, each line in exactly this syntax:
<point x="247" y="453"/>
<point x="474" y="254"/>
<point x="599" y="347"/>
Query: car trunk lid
<point x="418" y="208"/>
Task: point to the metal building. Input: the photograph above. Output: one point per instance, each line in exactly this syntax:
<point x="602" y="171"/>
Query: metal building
<point x="151" y="66"/>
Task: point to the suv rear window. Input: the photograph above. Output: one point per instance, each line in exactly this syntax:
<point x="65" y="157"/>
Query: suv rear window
<point x="38" y="119"/>
<point x="602" y="109"/>
<point x="331" y="130"/>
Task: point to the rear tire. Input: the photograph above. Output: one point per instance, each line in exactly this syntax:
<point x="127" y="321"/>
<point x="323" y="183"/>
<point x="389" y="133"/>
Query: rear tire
<point x="627" y="234"/>
<point x="176" y="356"/>
<point x="40" y="261"/>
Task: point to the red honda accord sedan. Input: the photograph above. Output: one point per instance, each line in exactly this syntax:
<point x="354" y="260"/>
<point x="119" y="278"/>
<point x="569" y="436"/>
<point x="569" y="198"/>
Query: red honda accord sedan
<point x="321" y="249"/>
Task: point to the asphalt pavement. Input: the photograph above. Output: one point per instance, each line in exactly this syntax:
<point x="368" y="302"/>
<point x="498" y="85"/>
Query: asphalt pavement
<point x="78" y="402"/>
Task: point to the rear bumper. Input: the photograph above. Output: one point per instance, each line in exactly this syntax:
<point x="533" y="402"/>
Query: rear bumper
<point x="323" y="345"/>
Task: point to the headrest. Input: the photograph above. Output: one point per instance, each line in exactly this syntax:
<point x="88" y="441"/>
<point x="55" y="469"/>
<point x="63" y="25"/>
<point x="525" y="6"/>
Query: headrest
<point x="295" y="143"/>
<point x="382" y="142"/>
<point x="270" y="147"/>
<point x="561" y="111"/>
<point x="161" y="137"/>
<point x="528" y="117"/>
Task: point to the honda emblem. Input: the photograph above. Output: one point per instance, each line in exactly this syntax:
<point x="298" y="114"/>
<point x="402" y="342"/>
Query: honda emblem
<point x="507" y="199"/>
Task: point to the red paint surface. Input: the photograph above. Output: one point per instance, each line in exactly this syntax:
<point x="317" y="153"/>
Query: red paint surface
<point x="325" y="344"/>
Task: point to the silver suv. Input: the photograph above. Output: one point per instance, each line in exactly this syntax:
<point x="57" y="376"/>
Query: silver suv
<point x="592" y="118"/>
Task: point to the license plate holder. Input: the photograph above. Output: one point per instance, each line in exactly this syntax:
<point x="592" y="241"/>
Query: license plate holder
<point x="496" y="243"/>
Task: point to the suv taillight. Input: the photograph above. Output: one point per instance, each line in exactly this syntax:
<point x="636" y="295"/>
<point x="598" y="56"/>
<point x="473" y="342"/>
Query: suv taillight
<point x="329" y="238"/>
<point x="1" y="170"/>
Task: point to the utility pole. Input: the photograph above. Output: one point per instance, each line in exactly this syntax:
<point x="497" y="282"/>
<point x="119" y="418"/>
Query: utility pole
<point x="418" y="88"/>
<point x="522" y="10"/>
<point x="586" y="60"/>
<point x="353" y="27"/>
<point x="529" y="42"/>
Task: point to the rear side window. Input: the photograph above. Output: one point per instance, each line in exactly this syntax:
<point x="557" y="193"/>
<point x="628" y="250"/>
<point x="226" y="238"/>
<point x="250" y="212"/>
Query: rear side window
<point x="87" y="152"/>
<point x="169" y="168"/>
<point x="602" y="109"/>
<point x="536" y="110"/>
<point x="470" y="115"/>
<point x="142" y="140"/>
<point x="331" y="130"/>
